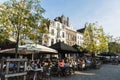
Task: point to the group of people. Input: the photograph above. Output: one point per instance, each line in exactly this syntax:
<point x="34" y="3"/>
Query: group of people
<point x="69" y="63"/>
<point x="76" y="64"/>
<point x="81" y="63"/>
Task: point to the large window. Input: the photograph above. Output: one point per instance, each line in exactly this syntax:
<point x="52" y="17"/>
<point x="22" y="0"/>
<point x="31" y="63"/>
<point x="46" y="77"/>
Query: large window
<point x="52" y="41"/>
<point x="54" y="24"/>
<point x="58" y="25"/>
<point x="63" y="34"/>
<point x="52" y="32"/>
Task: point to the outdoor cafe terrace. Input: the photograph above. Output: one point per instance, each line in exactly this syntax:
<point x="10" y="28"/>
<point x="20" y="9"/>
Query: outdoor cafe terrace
<point x="41" y="67"/>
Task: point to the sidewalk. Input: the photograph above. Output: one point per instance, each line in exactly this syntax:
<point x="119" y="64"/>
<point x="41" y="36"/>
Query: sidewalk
<point x="107" y="72"/>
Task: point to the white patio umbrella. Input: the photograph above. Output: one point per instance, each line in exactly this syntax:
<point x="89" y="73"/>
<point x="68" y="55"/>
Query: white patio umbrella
<point x="21" y="50"/>
<point x="30" y="49"/>
<point x="38" y="48"/>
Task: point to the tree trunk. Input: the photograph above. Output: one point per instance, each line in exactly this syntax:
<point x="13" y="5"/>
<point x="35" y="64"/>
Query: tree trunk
<point x="17" y="42"/>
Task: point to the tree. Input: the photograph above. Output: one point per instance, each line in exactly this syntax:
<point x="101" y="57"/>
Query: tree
<point x="3" y="35"/>
<point x="114" y="44"/>
<point x="102" y="40"/>
<point x="89" y="43"/>
<point x="94" y="38"/>
<point x="21" y="18"/>
<point x="44" y="30"/>
<point x="3" y="29"/>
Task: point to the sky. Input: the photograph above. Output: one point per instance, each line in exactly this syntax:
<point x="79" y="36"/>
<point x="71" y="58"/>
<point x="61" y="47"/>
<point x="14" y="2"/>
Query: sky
<point x="105" y="12"/>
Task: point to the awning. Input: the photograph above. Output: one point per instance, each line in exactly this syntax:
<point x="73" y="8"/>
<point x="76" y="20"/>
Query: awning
<point x="61" y="47"/>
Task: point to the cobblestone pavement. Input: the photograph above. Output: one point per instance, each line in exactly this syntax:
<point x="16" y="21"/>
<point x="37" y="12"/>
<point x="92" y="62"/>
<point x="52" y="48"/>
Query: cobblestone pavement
<point x="106" y="72"/>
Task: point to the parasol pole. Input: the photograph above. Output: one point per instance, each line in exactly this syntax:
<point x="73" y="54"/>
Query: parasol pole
<point x="33" y="56"/>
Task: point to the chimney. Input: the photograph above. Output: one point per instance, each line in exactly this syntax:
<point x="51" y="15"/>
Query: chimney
<point x="67" y="21"/>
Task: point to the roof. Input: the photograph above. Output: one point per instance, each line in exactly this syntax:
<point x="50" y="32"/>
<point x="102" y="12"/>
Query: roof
<point x="63" y="48"/>
<point x="80" y="49"/>
<point x="76" y="47"/>
<point x="81" y="30"/>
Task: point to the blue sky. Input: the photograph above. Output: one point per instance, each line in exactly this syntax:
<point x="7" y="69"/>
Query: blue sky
<point x="105" y="12"/>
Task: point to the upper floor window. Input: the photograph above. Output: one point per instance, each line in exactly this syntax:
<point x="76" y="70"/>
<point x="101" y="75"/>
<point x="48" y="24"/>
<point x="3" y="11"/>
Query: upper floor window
<point x="52" y="32"/>
<point x="58" y="25"/>
<point x="66" y="36"/>
<point x="63" y="34"/>
<point x="69" y="36"/>
<point x="54" y="24"/>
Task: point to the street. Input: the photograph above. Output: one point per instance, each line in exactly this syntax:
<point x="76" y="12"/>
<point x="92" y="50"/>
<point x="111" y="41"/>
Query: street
<point x="106" y="72"/>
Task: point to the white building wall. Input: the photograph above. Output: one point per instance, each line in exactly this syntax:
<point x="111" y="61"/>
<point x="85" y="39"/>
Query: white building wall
<point x="56" y="31"/>
<point x="79" y="39"/>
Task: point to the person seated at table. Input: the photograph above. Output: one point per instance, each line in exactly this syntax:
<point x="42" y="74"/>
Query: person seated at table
<point x="29" y="67"/>
<point x="4" y="66"/>
<point x="61" y="67"/>
<point x="11" y="66"/>
<point x="81" y="64"/>
<point x="39" y="64"/>
<point x="67" y="63"/>
<point x="32" y="64"/>
<point x="50" y="64"/>
<point x="61" y="63"/>
<point x="35" y="66"/>
<point x="88" y="63"/>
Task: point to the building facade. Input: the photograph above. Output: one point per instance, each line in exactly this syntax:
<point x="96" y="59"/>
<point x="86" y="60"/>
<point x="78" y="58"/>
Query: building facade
<point x="79" y="39"/>
<point x="56" y="33"/>
<point x="71" y="36"/>
<point x="60" y="30"/>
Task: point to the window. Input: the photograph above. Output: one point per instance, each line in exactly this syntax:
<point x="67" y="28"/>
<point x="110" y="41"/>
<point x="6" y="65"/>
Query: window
<point x="52" y="32"/>
<point x="63" y="26"/>
<point x="57" y="41"/>
<point x="63" y="35"/>
<point x="52" y="41"/>
<point x="67" y="36"/>
<point x="53" y="23"/>
<point x="74" y="38"/>
<point x="40" y="41"/>
<point x="58" y="25"/>
<point x="45" y="43"/>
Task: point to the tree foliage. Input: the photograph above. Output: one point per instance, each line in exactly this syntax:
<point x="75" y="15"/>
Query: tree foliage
<point x="44" y="31"/>
<point x="21" y="18"/>
<point x="114" y="44"/>
<point x="95" y="39"/>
